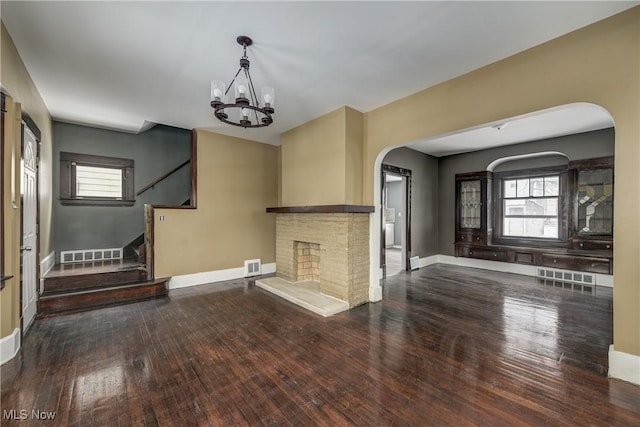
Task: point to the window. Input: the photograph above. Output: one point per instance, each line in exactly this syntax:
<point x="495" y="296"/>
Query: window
<point x="531" y="207"/>
<point x="96" y="180"/>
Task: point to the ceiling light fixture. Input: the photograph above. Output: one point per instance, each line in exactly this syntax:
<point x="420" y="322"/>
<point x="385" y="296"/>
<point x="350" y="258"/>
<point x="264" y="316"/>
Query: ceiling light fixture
<point x="246" y="111"/>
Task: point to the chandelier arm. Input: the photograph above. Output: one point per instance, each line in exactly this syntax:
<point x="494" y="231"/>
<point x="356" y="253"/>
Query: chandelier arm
<point x="252" y="94"/>
<point x="232" y="80"/>
<point x="254" y="97"/>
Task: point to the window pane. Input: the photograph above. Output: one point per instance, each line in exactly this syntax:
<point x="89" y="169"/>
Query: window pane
<point x="98" y="182"/>
<point x="531" y="227"/>
<point x="513" y="227"/>
<point x="515" y="207"/>
<point x="510" y="188"/>
<point x="523" y="187"/>
<point x="532" y="207"/>
<point x="552" y="186"/>
<point x="549" y="206"/>
<point x="537" y="187"/>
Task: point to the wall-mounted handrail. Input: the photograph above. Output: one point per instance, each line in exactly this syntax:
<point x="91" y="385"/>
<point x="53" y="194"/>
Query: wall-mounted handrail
<point x="166" y="175"/>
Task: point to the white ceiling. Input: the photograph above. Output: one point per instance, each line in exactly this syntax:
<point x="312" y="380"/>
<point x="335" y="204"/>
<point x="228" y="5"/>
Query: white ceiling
<point x="125" y="65"/>
<point x="564" y="120"/>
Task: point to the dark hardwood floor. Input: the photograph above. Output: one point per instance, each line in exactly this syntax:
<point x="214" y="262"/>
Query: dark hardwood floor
<point x="393" y="258"/>
<point x="447" y="346"/>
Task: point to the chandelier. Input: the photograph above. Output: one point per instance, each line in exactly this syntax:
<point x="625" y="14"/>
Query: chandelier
<point x="246" y="111"/>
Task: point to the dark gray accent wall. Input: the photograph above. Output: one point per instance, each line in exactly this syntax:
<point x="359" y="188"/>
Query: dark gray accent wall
<point x="155" y="152"/>
<point x="424" y="198"/>
<point x="585" y="145"/>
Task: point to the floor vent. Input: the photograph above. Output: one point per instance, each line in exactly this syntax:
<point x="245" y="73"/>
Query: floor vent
<point x="252" y="267"/>
<point x="566" y="276"/>
<point x="89" y="255"/>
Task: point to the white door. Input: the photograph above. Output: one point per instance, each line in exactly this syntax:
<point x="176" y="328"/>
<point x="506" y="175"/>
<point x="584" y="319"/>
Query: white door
<point x="29" y="229"/>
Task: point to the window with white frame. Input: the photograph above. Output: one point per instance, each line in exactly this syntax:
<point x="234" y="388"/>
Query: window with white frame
<point x="531" y="207"/>
<point x="96" y="180"/>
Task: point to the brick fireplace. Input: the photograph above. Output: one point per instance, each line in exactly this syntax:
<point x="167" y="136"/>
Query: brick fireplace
<point x="326" y="244"/>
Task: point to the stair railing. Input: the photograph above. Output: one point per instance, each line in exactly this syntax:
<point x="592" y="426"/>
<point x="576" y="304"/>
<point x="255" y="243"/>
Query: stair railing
<point x="163" y="177"/>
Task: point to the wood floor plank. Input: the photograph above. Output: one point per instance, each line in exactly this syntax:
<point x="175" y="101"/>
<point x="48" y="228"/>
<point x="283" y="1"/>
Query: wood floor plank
<point x="446" y="346"/>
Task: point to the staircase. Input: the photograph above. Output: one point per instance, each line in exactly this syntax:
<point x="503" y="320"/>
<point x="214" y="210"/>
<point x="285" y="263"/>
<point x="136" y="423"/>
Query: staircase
<point x="83" y="286"/>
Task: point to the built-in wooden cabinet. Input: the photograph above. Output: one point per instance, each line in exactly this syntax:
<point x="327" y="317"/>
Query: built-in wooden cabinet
<point x="472" y="201"/>
<point x="591" y="207"/>
<point x="586" y="242"/>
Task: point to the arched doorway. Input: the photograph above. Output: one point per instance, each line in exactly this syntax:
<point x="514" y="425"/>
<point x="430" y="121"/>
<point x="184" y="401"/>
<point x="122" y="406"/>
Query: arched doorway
<point x="554" y="122"/>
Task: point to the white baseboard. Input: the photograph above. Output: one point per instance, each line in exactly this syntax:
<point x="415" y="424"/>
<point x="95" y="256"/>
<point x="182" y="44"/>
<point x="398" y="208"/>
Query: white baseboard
<point x="508" y="267"/>
<point x="604" y="280"/>
<point x="624" y="366"/>
<point x="186" y="280"/>
<point x="47" y="263"/>
<point x="375" y="294"/>
<point x="424" y="262"/>
<point x="505" y="267"/>
<point x="9" y="346"/>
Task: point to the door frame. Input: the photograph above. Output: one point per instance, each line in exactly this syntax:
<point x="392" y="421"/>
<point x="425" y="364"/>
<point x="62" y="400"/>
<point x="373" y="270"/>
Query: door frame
<point x="29" y="124"/>
<point x="405" y="173"/>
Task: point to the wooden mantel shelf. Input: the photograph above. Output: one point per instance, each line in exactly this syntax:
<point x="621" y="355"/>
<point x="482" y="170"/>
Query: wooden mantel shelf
<point x="322" y="209"/>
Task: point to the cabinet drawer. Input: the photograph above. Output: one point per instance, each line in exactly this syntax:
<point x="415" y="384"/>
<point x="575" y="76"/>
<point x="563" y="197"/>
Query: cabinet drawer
<point x="523" y="257"/>
<point x="568" y="262"/>
<point x="474" y="238"/>
<point x="592" y="245"/>
<point x="483" y="253"/>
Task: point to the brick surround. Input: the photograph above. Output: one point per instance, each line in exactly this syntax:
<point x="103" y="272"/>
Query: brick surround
<point x="342" y="240"/>
<point x="307" y="258"/>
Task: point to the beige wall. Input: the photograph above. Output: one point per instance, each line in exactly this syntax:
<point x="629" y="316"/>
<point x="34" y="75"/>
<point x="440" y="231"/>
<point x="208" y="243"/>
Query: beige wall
<point x="599" y="64"/>
<point x="10" y="295"/>
<point x="322" y="160"/>
<point x="15" y="80"/>
<point x="354" y="147"/>
<point x="237" y="181"/>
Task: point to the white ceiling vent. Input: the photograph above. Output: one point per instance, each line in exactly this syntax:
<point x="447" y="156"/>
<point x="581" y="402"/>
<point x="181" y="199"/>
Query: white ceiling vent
<point x="252" y="267"/>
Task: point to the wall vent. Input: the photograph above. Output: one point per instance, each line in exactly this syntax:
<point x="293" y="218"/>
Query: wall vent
<point x="414" y="262"/>
<point x="566" y="276"/>
<point x="252" y="267"/>
<point x="90" y="255"/>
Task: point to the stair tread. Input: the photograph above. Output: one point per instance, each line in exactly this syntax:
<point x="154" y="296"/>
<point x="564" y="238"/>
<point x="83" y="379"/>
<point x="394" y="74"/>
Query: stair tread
<point x="103" y="289"/>
<point x="88" y="274"/>
<point x="92" y="281"/>
<point x="91" y="287"/>
<point x="91" y="268"/>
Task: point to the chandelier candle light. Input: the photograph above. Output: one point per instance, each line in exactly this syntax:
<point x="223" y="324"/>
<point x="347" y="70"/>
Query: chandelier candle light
<point x="246" y="111"/>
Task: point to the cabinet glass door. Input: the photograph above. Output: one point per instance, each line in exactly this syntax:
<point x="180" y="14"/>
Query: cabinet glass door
<point x="470" y="204"/>
<point x="594" y="201"/>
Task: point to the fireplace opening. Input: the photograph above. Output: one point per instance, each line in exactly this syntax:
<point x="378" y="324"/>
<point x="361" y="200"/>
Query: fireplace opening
<point x="307" y="261"/>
